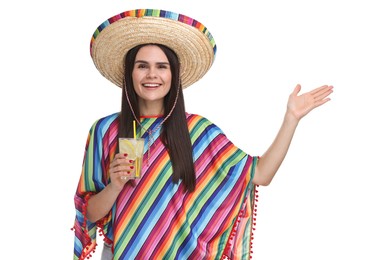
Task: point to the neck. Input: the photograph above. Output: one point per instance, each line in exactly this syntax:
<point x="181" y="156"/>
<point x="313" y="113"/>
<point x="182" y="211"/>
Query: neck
<point x="151" y="108"/>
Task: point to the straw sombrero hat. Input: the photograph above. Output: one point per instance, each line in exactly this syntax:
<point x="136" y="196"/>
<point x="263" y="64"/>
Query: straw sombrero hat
<point x="191" y="40"/>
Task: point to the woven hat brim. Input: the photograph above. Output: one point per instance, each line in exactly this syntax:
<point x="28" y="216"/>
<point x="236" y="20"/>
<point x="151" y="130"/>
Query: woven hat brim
<point x="193" y="47"/>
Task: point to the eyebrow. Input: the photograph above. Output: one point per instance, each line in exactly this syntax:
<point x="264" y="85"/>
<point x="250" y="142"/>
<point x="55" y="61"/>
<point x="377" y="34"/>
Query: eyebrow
<point x="159" y="63"/>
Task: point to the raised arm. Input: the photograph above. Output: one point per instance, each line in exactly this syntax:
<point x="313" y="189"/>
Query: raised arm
<point x="297" y="107"/>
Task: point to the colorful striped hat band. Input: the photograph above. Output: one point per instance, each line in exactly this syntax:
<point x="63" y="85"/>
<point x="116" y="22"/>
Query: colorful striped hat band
<point x="188" y="38"/>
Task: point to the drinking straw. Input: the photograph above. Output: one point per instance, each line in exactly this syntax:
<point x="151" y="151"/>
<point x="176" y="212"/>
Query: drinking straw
<point x="136" y="148"/>
<point x="134" y="130"/>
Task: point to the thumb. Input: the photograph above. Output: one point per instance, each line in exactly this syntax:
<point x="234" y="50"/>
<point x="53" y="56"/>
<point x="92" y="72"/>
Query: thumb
<point x="296" y="90"/>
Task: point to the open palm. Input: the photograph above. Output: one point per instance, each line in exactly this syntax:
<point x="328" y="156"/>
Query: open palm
<point x="301" y="105"/>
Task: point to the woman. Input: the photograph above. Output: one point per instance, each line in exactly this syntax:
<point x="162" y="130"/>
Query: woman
<point x="195" y="198"/>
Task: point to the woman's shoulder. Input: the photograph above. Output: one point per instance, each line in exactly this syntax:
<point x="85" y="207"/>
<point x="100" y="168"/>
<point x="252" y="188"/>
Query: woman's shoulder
<point x="110" y="117"/>
<point x="200" y="121"/>
<point x="196" y="117"/>
<point x="106" y="122"/>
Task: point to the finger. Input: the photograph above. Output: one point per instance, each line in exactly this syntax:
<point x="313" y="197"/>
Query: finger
<point x="114" y="164"/>
<point x="120" y="156"/>
<point x="120" y="159"/>
<point x="324" y="95"/>
<point x="121" y="174"/>
<point x="123" y="161"/>
<point x="320" y="90"/>
<point x="321" y="102"/>
<point x="120" y="169"/>
<point x="123" y="168"/>
<point x="323" y="92"/>
<point x="296" y="90"/>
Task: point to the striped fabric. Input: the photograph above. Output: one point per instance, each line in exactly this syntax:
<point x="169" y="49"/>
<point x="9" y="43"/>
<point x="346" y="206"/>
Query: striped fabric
<point x="156" y="13"/>
<point x="156" y="219"/>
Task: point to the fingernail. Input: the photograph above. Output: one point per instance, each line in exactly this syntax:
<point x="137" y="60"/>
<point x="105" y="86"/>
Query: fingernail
<point x="131" y="167"/>
<point x="125" y="154"/>
<point x="131" y="161"/>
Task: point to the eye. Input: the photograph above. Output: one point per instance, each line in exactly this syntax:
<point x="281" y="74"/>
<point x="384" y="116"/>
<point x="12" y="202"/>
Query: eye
<point x="141" y="66"/>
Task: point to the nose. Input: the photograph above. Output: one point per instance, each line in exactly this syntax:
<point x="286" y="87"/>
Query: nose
<point x="151" y="73"/>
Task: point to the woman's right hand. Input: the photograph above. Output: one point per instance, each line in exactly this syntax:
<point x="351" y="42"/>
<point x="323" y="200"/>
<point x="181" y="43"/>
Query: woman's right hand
<point x="120" y="169"/>
<point x="100" y="204"/>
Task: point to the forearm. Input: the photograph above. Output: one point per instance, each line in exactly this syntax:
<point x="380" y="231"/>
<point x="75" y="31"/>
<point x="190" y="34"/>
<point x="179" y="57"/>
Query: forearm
<point x="101" y="203"/>
<point x="271" y="160"/>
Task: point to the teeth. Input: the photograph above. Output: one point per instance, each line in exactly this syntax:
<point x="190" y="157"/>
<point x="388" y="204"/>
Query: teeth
<point x="151" y="85"/>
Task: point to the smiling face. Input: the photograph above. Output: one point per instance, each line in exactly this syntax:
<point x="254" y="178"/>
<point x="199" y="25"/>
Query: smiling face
<point x="151" y="79"/>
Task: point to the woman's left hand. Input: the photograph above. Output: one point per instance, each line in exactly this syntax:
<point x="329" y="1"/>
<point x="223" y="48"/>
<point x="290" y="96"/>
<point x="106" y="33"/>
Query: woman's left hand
<point x="299" y="106"/>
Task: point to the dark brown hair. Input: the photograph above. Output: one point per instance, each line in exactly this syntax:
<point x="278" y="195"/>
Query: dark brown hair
<point x="175" y="135"/>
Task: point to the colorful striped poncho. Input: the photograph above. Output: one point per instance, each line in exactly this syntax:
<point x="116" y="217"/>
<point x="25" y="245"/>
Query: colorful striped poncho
<point x="156" y="218"/>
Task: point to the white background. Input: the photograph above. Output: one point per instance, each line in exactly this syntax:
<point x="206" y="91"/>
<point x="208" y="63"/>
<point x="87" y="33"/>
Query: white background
<point x="330" y="198"/>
